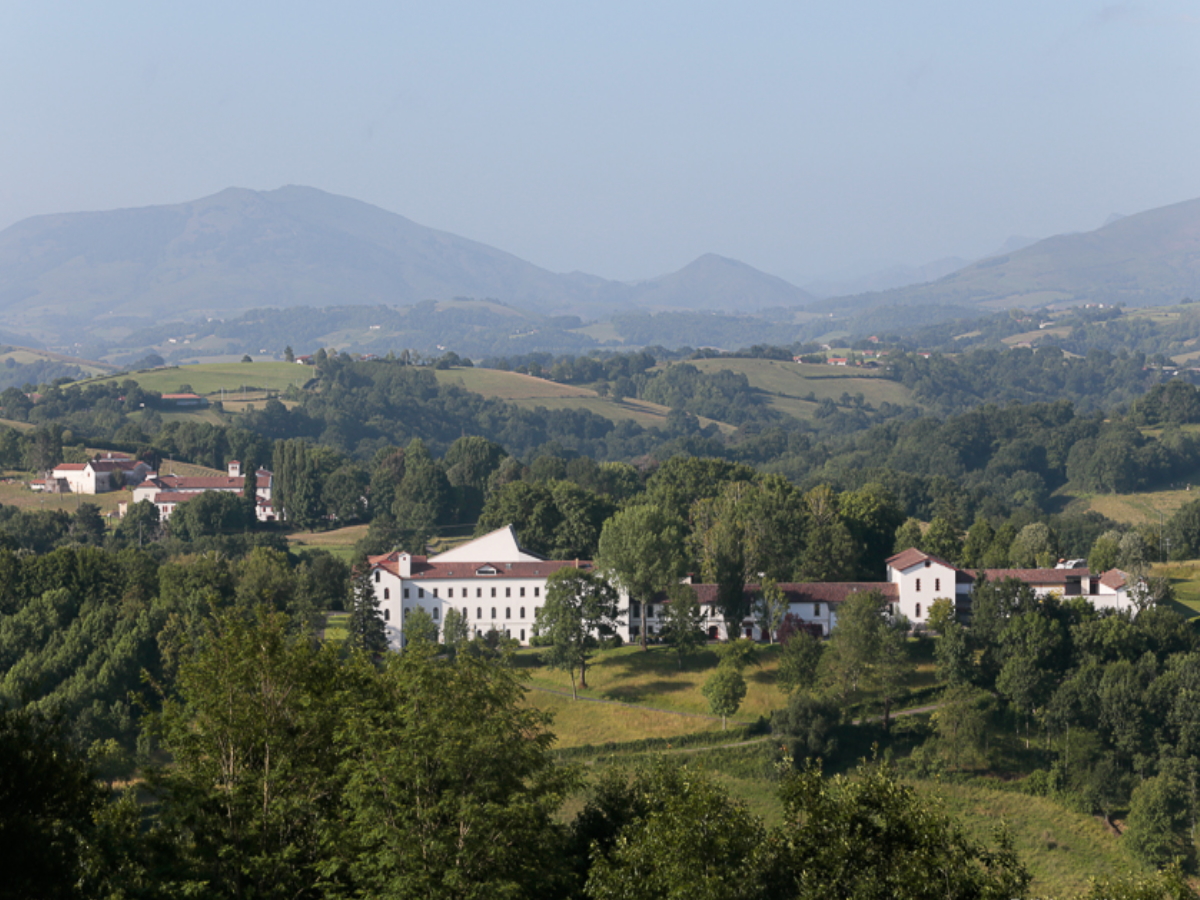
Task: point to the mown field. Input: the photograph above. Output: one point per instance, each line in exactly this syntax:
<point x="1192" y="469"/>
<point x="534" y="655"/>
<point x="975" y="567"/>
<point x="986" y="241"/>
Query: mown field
<point x="340" y="541"/>
<point x="212" y="378"/>
<point x="1146" y="508"/>
<point x="529" y="392"/>
<point x="790" y="383"/>
<point x="14" y="491"/>
<point x="25" y="356"/>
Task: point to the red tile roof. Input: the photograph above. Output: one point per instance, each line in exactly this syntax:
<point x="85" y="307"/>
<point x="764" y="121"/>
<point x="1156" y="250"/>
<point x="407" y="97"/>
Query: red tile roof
<point x="912" y="556"/>
<point x="833" y="592"/>
<point x="1114" y="579"/>
<point x="421" y="568"/>
<point x="1037" y="576"/>
<point x="202" y="482"/>
<point x="115" y="465"/>
<point x="70" y="467"/>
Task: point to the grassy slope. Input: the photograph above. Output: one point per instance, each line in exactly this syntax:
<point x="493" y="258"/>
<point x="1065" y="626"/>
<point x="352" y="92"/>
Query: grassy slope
<point x="14" y="491"/>
<point x="1062" y="849"/>
<point x="26" y="355"/>
<point x="340" y="542"/>
<point x="788" y="383"/>
<point x="210" y="378"/>
<point x="530" y="392"/>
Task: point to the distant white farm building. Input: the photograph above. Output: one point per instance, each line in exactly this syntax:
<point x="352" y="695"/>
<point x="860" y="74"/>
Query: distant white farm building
<point x="96" y="476"/>
<point x="168" y="491"/>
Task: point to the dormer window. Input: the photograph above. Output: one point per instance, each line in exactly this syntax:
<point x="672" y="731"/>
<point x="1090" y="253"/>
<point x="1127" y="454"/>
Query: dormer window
<point x="486" y="570"/>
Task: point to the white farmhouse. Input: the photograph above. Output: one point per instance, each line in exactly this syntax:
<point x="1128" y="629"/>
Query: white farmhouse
<point x="100" y="475"/>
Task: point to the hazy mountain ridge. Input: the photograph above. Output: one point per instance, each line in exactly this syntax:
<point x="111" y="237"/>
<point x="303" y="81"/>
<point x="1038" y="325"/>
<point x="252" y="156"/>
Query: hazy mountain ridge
<point x="299" y="246"/>
<point x="1144" y="259"/>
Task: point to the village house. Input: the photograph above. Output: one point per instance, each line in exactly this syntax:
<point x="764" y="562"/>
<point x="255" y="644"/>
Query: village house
<point x="495" y="584"/>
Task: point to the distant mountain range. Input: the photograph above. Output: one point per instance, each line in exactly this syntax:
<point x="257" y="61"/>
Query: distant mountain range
<point x="299" y="246"/>
<point x="1145" y="259"/>
<point x="94" y="279"/>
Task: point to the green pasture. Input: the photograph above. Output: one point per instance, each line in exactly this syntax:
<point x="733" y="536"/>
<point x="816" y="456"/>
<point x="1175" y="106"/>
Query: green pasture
<point x="14" y="491"/>
<point x="1146" y="508"/>
<point x="340" y="541"/>
<point x="1061" y="848"/>
<point x="211" y="378"/>
<point x="790" y="383"/>
<point x="530" y="392"/>
<point x="26" y="355"/>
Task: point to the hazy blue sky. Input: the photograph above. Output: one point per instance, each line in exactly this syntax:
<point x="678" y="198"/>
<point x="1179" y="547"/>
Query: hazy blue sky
<point x="622" y="139"/>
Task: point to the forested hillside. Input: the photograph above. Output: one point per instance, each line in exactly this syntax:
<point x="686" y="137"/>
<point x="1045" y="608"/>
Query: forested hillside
<point x="120" y="645"/>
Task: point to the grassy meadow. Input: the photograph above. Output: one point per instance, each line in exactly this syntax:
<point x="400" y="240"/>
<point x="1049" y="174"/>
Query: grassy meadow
<point x="340" y="541"/>
<point x="788" y="383"/>
<point x="530" y="392"/>
<point x="212" y="378"/>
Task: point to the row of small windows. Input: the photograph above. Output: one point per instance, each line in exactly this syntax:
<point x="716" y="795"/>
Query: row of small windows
<point x="937" y="584"/>
<point x="466" y="612"/>
<point x="537" y="592"/>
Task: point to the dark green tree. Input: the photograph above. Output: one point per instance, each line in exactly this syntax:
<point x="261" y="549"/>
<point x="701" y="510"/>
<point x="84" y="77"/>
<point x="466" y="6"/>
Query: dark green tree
<point x="449" y="787"/>
<point x="579" y="607"/>
<point x="365" y="628"/>
<point x="641" y="548"/>
<point x="683" y="622"/>
<point x="867" y="835"/>
<point x="799" y="662"/>
<point x="725" y="689"/>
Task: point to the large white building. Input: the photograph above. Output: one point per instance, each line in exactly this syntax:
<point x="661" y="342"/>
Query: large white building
<point x="496" y="584"/>
<point x="491" y="581"/>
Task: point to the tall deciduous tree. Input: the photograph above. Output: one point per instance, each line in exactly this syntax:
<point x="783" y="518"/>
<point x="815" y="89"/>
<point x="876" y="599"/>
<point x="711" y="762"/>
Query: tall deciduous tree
<point x="449" y="788"/>
<point x="830" y="553"/>
<point x="679" y="836"/>
<point x="424" y="499"/>
<point x="869" y="836"/>
<point x="579" y="606"/>
<point x="799" y="661"/>
<point x="683" y="622"/>
<point x="770" y="608"/>
<point x="642" y="548"/>
<point x="250" y="734"/>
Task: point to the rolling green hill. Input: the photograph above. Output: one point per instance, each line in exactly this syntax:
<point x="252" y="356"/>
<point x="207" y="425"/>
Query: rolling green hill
<point x="797" y="388"/>
<point x="211" y="378"/>
<point x="530" y="392"/>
